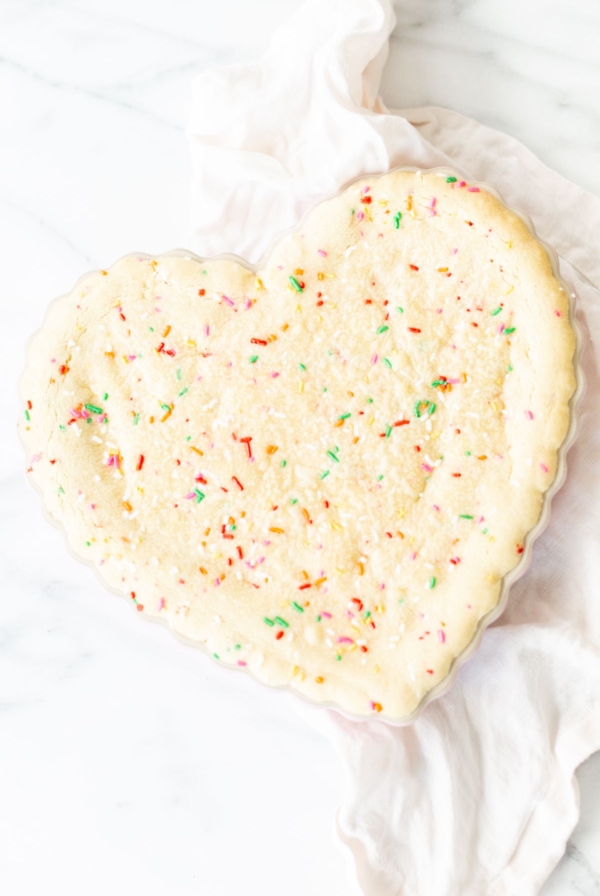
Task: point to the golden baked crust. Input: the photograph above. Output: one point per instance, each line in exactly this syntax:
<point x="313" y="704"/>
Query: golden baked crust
<point x="322" y="471"/>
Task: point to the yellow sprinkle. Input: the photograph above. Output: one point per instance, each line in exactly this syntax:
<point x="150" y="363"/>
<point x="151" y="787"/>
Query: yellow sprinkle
<point x="320" y="581"/>
<point x="301" y="387"/>
<point x="376" y="670"/>
<point x="337" y="527"/>
<point x="320" y="276"/>
<point x="509" y="290"/>
<point x="104" y="273"/>
<point x="442" y="270"/>
<point x="258" y="283"/>
<point x="298" y="272"/>
<point x="463" y="377"/>
<point x="509" y="245"/>
<point x="409" y="204"/>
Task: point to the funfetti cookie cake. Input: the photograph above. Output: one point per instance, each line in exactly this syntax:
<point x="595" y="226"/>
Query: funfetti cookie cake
<point x="321" y="471"/>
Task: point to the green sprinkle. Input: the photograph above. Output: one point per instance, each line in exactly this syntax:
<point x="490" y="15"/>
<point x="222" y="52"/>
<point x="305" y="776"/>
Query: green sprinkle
<point x="344" y="416"/>
<point x="450" y="180"/>
<point x="238" y="646"/>
<point x="301" y="366"/>
<point x="253" y="359"/>
<point x="284" y="463"/>
<point x="324" y="388"/>
<point x="297" y="607"/>
<point x="93" y="408"/>
<point x="380" y="477"/>
<point x="323" y="475"/>
<point x="27" y="417"/>
<point x="216" y="656"/>
<point x="338" y="657"/>
<point x="431" y="408"/>
<point x="333" y="456"/>
<point x="88" y="544"/>
<point x="351" y="211"/>
<point x="200" y="496"/>
<point x="510" y="368"/>
<point x="401" y="601"/>
<point x="282" y="622"/>
<point x="204" y="272"/>
<point x="105" y="396"/>
<point x="318" y="618"/>
<point x="466" y="516"/>
<point x="387" y="362"/>
<point x="438" y="383"/>
<point x="400" y="310"/>
<point x="268" y="621"/>
<point x="61" y="490"/>
<point x="296" y="285"/>
<point x="183" y="391"/>
<point x="509" y="330"/>
<point x="60" y="426"/>
<point x="179" y="374"/>
<point x="388" y="431"/>
<point x="187" y="438"/>
<point x="431" y="582"/>
<point x="151" y="329"/>
<point x="89" y="420"/>
<point x="468" y="453"/>
<point x="496" y="311"/>
<point x="397" y="219"/>
<point x="367" y="614"/>
<point x="422" y="403"/>
<point x="484" y="531"/>
<point x="294" y="501"/>
<point x="369" y="400"/>
<point x="166" y="407"/>
<point x="382" y="329"/>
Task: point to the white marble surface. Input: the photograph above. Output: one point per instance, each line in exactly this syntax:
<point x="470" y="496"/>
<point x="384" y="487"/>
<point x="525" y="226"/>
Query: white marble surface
<point x="128" y="763"/>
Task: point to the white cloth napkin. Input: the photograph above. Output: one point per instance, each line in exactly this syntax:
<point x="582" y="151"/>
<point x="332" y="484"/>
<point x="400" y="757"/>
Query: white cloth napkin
<point x="478" y="796"/>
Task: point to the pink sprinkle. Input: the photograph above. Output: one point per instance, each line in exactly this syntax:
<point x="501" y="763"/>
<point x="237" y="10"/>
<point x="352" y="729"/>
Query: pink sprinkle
<point x="191" y="495"/>
<point x="454" y="251"/>
<point x="92" y="506"/>
<point x="558" y="313"/>
<point x="131" y="357"/>
<point x="228" y="301"/>
<point x="462" y="183"/>
<point x="441" y="636"/>
<point x="344" y="640"/>
<point x="242" y="663"/>
<point x="453" y="382"/>
<point x="366" y="189"/>
<point x="322" y="252"/>
<point x="413" y="556"/>
<point x="427" y="468"/>
<point x="529" y="415"/>
<point x="374" y="359"/>
<point x="432" y="205"/>
<point x="326" y="615"/>
<point x="274" y="375"/>
<point x="544" y="468"/>
<point x="382" y="586"/>
<point x="480" y="519"/>
<point x="217" y="582"/>
<point x="439" y="310"/>
<point x="360" y="216"/>
<point x="162" y="603"/>
<point x="207" y="330"/>
<point x="473" y="189"/>
<point x="500" y="329"/>
<point x="435" y="507"/>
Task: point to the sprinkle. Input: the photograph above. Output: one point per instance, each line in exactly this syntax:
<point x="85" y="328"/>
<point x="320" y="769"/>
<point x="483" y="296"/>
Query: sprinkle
<point x="441" y="636"/>
<point x="397" y="219"/>
<point x="136" y="419"/>
<point x="271" y="449"/>
<point x="344" y="416"/>
<point x="253" y="359"/>
<point x="382" y="329"/>
<point x="544" y="468"/>
<point x="323" y="475"/>
<point x="333" y="456"/>
<point x="282" y="622"/>
<point x="509" y="330"/>
<point x="529" y="415"/>
<point x="465" y="516"/>
<point x="277" y="530"/>
<point x="270" y="622"/>
<point x="496" y="311"/>
<point x="93" y="408"/>
<point x="400" y="310"/>
<point x="238" y="483"/>
<point x="376" y="707"/>
<point x="140" y="462"/>
<point x="450" y="180"/>
<point x="473" y="189"/>
<point x="27" y="417"/>
<point x="322" y="252"/>
<point x="431" y="582"/>
<point x="387" y="362"/>
<point x="414" y="330"/>
<point x="296" y="284"/>
<point x="301" y="366"/>
<point x="200" y="496"/>
<point x="297" y="607"/>
<point x="427" y="468"/>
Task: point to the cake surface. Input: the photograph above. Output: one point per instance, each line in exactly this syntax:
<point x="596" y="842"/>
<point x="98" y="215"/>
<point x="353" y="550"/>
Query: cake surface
<point x="323" y="470"/>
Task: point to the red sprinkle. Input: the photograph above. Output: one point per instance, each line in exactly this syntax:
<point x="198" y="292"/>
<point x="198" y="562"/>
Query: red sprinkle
<point x="413" y="267"/>
<point x="238" y="483"/>
<point x="259" y="341"/>
<point x="140" y="462"/>
<point x="414" y="330"/>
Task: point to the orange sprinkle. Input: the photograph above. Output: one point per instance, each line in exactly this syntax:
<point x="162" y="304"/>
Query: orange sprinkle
<point x="151" y="419"/>
<point x="320" y="276"/>
<point x="320" y="581"/>
<point x="277" y="530"/>
<point x="127" y="506"/>
<point x="285" y="327"/>
<point x="166" y="415"/>
<point x="319" y="679"/>
<point x="203" y="571"/>
<point x="197" y="451"/>
<point x="377" y="707"/>
<point x="482" y="457"/>
<point x="109" y="354"/>
<point x="361" y="569"/>
<point x="167" y="330"/>
<point x="271" y="449"/>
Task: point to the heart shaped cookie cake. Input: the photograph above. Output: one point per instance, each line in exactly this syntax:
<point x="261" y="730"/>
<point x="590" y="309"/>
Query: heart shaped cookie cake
<point x="323" y="470"/>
